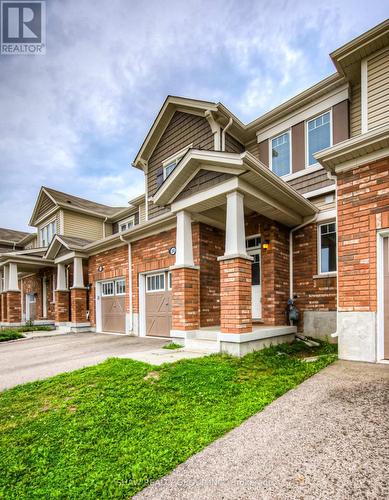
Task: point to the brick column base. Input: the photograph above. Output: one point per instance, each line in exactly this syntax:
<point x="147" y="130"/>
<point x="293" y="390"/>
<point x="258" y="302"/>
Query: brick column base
<point x="78" y="305"/>
<point x="62" y="306"/>
<point x="235" y="295"/>
<point x="14" y="307"/>
<point x="1" y="307"/>
<point x="186" y="298"/>
<point x="4" y="307"/>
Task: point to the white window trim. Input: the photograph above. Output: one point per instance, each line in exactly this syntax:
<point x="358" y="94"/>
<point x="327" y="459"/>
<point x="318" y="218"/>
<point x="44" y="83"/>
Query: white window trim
<point x="321" y="274"/>
<point x="169" y="284"/>
<point x="307" y="166"/>
<point x="174" y="158"/>
<point x="164" y="282"/>
<point x="102" y="288"/>
<point x="126" y="221"/>
<point x="289" y="132"/>
<point x="121" y="294"/>
<point x="251" y="237"/>
<point x="41" y="228"/>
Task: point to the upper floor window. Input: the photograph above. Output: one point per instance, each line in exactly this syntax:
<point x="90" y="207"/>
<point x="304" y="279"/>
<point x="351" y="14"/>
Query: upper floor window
<point x="327" y="248"/>
<point x="126" y="224"/>
<point x="280" y="154"/>
<point x="47" y="233"/>
<point x="170" y="163"/>
<point x="318" y="136"/>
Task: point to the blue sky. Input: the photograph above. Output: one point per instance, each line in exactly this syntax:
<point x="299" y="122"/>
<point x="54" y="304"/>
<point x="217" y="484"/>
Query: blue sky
<point x="75" y="118"/>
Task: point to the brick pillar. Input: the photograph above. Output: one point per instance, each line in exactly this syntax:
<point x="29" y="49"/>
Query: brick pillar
<point x="235" y="295"/>
<point x="62" y="306"/>
<point x="4" y="307"/>
<point x="14" y="307"/>
<point x="78" y="305"/>
<point x="1" y="307"/>
<point x="186" y="298"/>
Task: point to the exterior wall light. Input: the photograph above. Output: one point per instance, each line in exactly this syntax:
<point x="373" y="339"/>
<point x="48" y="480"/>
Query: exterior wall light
<point x="266" y="245"/>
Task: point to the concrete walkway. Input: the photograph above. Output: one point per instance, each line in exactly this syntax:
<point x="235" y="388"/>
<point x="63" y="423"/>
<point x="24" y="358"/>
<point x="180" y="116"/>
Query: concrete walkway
<point x="41" y="357"/>
<point x="328" y="438"/>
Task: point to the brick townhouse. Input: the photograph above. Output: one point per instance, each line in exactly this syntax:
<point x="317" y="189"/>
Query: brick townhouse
<point x="236" y="219"/>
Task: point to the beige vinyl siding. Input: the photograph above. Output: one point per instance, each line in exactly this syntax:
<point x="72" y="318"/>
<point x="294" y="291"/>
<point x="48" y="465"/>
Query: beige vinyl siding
<point x="378" y="90"/>
<point x="82" y="226"/>
<point x="252" y="147"/>
<point x="355" y="110"/>
<point x="108" y="229"/>
<point x="46" y="204"/>
<point x="322" y="203"/>
<point x="142" y="213"/>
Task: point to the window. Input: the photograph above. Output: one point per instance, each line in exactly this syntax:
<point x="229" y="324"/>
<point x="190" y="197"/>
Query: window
<point x="47" y="233"/>
<point x="120" y="286"/>
<point x="327" y="248"/>
<point x="318" y="135"/>
<point x="280" y="154"/>
<point x="170" y="163"/>
<point x="156" y="282"/>
<point x="126" y="224"/>
<point x="107" y="289"/>
<point x="169" y="280"/>
<point x="253" y="242"/>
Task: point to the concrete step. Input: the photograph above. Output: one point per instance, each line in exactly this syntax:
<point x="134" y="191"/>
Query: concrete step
<point x="201" y="345"/>
<point x="206" y="335"/>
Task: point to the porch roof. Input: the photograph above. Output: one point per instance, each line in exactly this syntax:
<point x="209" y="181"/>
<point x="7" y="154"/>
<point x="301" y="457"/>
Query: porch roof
<point x="24" y="262"/>
<point x="265" y="192"/>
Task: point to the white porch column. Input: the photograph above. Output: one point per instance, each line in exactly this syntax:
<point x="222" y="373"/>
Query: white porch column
<point x="78" y="276"/>
<point x="13" y="285"/>
<point x="184" y="246"/>
<point x="6" y="278"/>
<point x="235" y="230"/>
<point x="61" y="278"/>
<point x="1" y="280"/>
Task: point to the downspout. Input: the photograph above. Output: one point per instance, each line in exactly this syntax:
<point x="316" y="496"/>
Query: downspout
<point x="130" y="325"/>
<point x="105" y="220"/>
<point x="309" y="221"/>
<point x="230" y="122"/>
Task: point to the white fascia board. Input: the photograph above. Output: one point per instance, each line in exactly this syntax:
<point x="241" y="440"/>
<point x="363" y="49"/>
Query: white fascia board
<point x="306" y="112"/>
<point x="320" y="191"/>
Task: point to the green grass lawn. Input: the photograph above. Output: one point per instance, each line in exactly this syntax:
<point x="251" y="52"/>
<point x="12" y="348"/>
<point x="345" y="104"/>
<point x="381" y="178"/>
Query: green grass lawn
<point x="10" y="335"/>
<point x="108" y="430"/>
<point x="17" y="333"/>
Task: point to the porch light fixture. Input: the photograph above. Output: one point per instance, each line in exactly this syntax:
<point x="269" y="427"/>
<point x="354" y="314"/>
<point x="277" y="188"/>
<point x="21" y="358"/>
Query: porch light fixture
<point x="266" y="245"/>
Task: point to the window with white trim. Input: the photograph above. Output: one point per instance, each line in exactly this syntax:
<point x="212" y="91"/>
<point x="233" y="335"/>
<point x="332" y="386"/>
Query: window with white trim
<point x="47" y="233"/>
<point x="280" y="159"/>
<point x="169" y="280"/>
<point x="327" y="248"/>
<point x="155" y="282"/>
<point x="170" y="163"/>
<point x="120" y="287"/>
<point x="319" y="136"/>
<point x="107" y="288"/>
<point x="126" y="224"/>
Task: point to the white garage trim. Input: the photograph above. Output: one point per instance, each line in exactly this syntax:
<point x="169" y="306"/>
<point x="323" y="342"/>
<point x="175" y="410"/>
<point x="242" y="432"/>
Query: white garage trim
<point x="380" y="294"/>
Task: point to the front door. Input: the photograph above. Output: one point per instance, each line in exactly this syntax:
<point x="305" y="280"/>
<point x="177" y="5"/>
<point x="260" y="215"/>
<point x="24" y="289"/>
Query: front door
<point x="386" y="297"/>
<point x="253" y="245"/>
<point x="113" y="306"/>
<point x="158" y="304"/>
<point x="30" y="307"/>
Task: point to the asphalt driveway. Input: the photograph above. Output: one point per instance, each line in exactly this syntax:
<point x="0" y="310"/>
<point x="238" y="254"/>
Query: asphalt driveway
<point x="328" y="438"/>
<point x="38" y="358"/>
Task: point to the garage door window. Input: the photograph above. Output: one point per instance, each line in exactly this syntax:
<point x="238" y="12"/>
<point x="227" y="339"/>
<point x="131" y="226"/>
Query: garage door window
<point x="120" y="287"/>
<point x="156" y="283"/>
<point x="107" y="289"/>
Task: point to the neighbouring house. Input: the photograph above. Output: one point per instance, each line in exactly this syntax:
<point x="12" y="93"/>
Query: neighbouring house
<point x="235" y="220"/>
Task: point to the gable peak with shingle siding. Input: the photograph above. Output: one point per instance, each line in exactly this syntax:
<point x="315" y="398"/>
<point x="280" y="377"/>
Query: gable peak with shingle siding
<point x="184" y="129"/>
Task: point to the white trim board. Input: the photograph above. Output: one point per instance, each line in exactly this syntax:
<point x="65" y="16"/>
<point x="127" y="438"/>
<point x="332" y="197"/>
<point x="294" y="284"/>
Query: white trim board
<point x="380" y="293"/>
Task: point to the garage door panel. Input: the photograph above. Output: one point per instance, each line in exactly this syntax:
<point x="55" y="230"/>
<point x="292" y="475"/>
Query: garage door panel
<point x="158" y="313"/>
<point x="386" y="298"/>
<point x="113" y="313"/>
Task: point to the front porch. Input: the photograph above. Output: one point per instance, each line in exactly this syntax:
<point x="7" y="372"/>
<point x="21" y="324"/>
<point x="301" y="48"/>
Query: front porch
<point x="254" y="210"/>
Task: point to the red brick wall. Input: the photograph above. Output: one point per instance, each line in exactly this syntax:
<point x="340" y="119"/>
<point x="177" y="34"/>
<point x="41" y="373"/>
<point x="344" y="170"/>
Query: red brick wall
<point x="313" y="294"/>
<point x="78" y="305"/>
<point x="4" y="307"/>
<point x="115" y="264"/>
<point x="235" y="296"/>
<point x="211" y="247"/>
<point x="14" y="307"/>
<point x="62" y="309"/>
<point x="363" y="208"/>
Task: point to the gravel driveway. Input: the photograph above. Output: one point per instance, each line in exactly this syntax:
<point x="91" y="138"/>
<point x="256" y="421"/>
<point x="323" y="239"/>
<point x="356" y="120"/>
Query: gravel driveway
<point x="37" y="358"/>
<point x="328" y="438"/>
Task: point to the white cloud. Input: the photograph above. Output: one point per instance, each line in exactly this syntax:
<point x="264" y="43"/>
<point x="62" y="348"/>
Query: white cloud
<point x="75" y="118"/>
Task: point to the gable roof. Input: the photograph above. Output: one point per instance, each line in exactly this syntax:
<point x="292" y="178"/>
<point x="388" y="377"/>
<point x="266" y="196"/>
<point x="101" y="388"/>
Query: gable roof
<point x="67" y="242"/>
<point x="71" y="202"/>
<point x="12" y="236"/>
